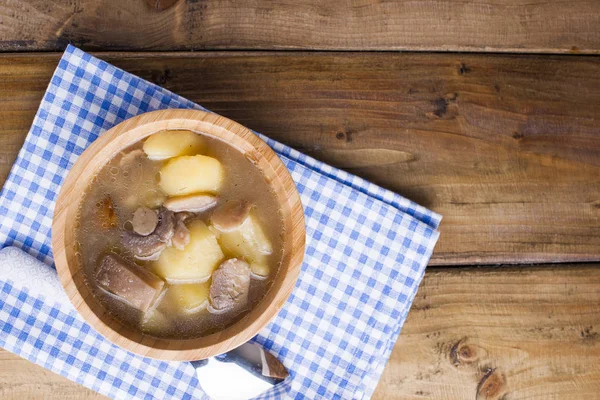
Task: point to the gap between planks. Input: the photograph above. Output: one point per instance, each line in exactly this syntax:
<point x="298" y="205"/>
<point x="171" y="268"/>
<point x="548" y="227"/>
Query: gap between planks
<point x="511" y="333"/>
<point x="546" y="26"/>
<point x="506" y="148"/>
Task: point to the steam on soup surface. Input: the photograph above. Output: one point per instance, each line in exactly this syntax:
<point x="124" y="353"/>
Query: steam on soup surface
<point x="179" y="235"/>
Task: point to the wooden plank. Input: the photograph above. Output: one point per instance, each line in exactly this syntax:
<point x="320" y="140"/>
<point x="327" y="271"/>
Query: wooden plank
<point x="23" y="380"/>
<point x="523" y="333"/>
<point x="544" y="26"/>
<point x="507" y="148"/>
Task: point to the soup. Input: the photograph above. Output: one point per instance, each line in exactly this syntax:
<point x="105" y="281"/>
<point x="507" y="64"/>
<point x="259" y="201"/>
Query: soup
<point x="179" y="235"/>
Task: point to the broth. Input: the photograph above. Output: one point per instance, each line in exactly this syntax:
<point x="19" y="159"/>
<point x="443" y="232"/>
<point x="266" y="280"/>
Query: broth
<point x="132" y="180"/>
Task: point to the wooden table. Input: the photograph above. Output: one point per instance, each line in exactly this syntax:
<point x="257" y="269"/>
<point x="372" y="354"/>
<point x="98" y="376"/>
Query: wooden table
<point x="486" y="111"/>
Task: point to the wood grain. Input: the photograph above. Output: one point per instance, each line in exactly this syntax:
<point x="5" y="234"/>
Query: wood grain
<point x="506" y="148"/>
<point x="506" y="333"/>
<point x="23" y="380"/>
<point x="545" y="26"/>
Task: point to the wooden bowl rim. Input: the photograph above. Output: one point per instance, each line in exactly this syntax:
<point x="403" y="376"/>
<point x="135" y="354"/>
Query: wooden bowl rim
<point x="120" y="137"/>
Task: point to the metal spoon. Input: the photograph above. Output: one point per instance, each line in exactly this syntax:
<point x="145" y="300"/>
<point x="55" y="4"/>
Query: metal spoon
<point x="240" y="374"/>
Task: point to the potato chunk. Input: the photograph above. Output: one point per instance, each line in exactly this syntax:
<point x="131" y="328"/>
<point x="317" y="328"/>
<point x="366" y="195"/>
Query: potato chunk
<point x="129" y="282"/>
<point x="248" y="241"/>
<point x="189" y="298"/>
<point x="167" y="144"/>
<point x="196" y="262"/>
<point x="259" y="265"/>
<point x="155" y="322"/>
<point x="191" y="174"/>
<point x="248" y="238"/>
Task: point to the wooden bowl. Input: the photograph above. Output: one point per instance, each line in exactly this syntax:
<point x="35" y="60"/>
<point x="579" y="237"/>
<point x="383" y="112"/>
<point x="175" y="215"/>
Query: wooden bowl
<point x="102" y="151"/>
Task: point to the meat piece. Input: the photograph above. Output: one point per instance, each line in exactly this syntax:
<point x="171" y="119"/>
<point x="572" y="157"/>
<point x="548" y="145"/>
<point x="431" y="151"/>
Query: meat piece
<point x="143" y="247"/>
<point x="131" y="283"/>
<point x="192" y="203"/>
<point x="231" y="215"/>
<point x="183" y="216"/>
<point x="106" y="213"/>
<point x="166" y="225"/>
<point x="128" y="159"/>
<point x="230" y="286"/>
<point x="150" y="247"/>
<point x="144" y="221"/>
<point x="181" y="236"/>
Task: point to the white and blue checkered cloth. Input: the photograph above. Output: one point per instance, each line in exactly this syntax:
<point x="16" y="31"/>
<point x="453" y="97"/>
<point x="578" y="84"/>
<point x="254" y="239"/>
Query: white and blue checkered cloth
<point x="366" y="252"/>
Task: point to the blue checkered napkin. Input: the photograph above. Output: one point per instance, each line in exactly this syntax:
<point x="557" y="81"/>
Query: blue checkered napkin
<point x="40" y="324"/>
<point x="366" y="252"/>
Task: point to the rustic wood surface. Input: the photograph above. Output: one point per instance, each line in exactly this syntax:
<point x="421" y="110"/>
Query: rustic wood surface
<point x="544" y="26"/>
<point x="23" y="380"/>
<point x="506" y="148"/>
<point x="504" y="333"/>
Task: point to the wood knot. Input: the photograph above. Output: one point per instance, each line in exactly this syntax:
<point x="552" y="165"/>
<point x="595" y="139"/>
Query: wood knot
<point x="160" y="5"/>
<point x="161" y="77"/>
<point x="463" y="69"/>
<point x="467" y="353"/>
<point x="345" y="135"/>
<point x="462" y="353"/>
<point x="492" y="385"/>
<point x="587" y="334"/>
<point x="444" y="107"/>
<point x="517" y="135"/>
